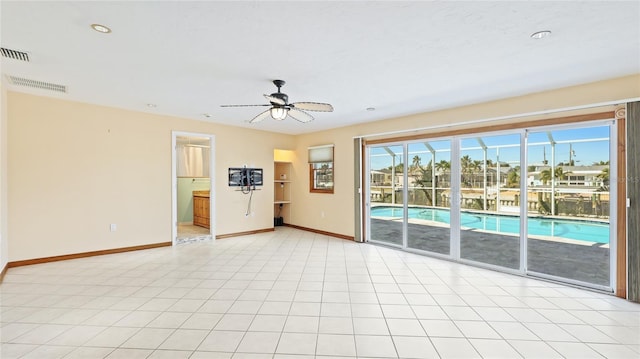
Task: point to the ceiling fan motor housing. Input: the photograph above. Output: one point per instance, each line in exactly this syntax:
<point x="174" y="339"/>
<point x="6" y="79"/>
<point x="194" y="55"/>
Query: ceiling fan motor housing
<point x="281" y="96"/>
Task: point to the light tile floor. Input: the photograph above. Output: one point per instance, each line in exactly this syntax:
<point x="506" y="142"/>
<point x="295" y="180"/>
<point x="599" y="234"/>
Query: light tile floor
<point x="294" y="294"/>
<point x="190" y="233"/>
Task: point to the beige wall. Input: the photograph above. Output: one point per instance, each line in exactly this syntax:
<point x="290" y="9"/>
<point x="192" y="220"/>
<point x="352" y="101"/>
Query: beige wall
<point x="4" y="237"/>
<point x="338" y="207"/>
<point x="74" y="168"/>
<point x="284" y="155"/>
<point x="324" y="211"/>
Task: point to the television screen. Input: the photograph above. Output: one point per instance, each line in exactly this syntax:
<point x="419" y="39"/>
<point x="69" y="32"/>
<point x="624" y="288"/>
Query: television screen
<point x="255" y="176"/>
<point x="244" y="177"/>
<point x="236" y="177"/>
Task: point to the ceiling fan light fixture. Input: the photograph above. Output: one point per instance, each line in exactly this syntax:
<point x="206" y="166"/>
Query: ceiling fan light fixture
<point x="278" y="113"/>
<point x="280" y="108"/>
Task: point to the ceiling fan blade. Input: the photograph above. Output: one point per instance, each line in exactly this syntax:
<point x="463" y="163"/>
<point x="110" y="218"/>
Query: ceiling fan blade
<point x="313" y="106"/>
<point x="300" y="115"/>
<point x="275" y="100"/>
<point x="261" y="116"/>
<point x="243" y="105"/>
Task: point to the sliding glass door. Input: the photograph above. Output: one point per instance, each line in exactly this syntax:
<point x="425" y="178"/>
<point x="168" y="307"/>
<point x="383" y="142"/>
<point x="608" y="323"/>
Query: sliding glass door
<point x="534" y="201"/>
<point x="490" y="200"/>
<point x="568" y="208"/>
<point x="429" y="196"/>
<point x="386" y="179"/>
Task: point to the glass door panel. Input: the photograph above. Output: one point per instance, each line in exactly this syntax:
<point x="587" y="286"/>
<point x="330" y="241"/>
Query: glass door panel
<point x="428" y="196"/>
<point x="568" y="204"/>
<point x="386" y="178"/>
<point x="490" y="200"/>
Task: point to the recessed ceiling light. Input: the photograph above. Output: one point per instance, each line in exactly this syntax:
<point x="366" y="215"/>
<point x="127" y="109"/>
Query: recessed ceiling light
<point x="540" y="34"/>
<point x="371" y="108"/>
<point x="101" y="28"/>
<point x="207" y="115"/>
<point x="151" y="105"/>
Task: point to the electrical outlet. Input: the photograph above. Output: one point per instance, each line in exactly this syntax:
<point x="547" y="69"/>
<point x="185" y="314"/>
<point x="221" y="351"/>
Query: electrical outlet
<point x="322" y="214"/>
<point x="113" y="227"/>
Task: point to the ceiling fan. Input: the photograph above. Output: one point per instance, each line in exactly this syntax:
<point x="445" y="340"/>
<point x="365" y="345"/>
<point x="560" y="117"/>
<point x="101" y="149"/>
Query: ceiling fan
<point x="280" y="107"/>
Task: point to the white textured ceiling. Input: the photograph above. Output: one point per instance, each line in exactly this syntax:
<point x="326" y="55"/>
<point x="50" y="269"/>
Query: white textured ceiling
<point x="189" y="58"/>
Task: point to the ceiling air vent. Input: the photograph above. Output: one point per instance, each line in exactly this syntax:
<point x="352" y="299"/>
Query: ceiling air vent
<point x="20" y="81"/>
<point x="14" y="54"/>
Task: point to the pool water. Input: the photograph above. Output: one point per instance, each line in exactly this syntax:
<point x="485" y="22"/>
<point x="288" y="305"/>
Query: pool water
<point x="577" y="230"/>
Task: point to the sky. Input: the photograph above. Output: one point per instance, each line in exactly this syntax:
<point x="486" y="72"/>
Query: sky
<point x="587" y="145"/>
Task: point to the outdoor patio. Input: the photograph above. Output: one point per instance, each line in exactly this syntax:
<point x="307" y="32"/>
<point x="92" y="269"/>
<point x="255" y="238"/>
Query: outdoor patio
<point x="578" y="262"/>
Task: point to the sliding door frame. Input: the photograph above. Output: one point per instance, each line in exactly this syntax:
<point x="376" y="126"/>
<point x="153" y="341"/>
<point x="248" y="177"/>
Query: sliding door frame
<point x="613" y="208"/>
<point x="454" y="135"/>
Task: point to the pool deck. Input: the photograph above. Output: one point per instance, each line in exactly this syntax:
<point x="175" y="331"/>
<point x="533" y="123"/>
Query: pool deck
<point x="586" y="263"/>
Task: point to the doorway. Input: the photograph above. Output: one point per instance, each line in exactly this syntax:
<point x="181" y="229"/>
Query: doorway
<point x="193" y="187"/>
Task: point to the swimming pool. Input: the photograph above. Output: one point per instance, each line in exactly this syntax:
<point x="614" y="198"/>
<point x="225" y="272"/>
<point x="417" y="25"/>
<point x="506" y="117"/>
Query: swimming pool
<point x="577" y="230"/>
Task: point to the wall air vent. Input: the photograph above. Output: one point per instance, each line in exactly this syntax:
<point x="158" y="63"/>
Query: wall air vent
<point x="20" y="81"/>
<point x="14" y="54"/>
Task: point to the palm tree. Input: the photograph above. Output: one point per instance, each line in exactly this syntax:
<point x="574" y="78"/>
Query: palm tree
<point x="560" y="174"/>
<point x="465" y="161"/>
<point x="443" y="166"/>
<point x="466" y="165"/>
<point x="604" y="177"/>
<point x="476" y="166"/>
<point x="415" y="164"/>
<point x="545" y="175"/>
<point x="513" y="177"/>
<point x="424" y="179"/>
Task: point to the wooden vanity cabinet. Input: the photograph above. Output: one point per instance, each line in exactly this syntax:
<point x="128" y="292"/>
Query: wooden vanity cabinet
<point x="201" y="209"/>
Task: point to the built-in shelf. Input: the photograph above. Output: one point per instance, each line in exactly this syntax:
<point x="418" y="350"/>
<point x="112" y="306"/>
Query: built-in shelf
<point x="281" y="192"/>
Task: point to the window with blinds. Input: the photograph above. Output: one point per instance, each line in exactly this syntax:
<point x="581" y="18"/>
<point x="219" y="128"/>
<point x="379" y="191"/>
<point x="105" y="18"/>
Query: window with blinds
<point x="321" y="169"/>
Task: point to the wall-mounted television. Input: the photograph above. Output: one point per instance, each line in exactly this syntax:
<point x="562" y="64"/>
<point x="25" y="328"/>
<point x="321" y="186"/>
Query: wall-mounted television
<point x="245" y="177"/>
